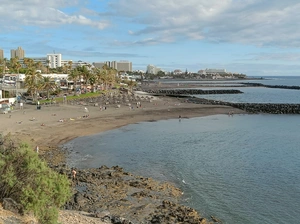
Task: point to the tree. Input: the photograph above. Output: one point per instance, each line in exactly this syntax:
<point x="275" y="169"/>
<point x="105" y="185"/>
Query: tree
<point x="29" y="63"/>
<point x="4" y="63"/>
<point x="84" y="73"/>
<point x="32" y="81"/>
<point x="47" y="65"/>
<point x="47" y="84"/>
<point x="74" y="75"/>
<point x="30" y="182"/>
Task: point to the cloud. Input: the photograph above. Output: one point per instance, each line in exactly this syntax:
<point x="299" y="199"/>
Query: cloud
<point x="255" y="22"/>
<point x="42" y="13"/>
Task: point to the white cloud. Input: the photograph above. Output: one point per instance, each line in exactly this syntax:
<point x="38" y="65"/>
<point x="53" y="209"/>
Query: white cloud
<point x="43" y="14"/>
<point x="257" y="22"/>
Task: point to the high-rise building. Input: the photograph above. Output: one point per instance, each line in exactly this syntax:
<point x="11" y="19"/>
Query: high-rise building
<point x="152" y="69"/>
<point x="124" y="66"/>
<point x="54" y="60"/>
<point x="20" y="53"/>
<point x="1" y="54"/>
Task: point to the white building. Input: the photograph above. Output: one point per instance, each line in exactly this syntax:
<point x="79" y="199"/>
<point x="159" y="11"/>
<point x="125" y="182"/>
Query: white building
<point x="54" y="60"/>
<point x="212" y="71"/>
<point x="151" y="69"/>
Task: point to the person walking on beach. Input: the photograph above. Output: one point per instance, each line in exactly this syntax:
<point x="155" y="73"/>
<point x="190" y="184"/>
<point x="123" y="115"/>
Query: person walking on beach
<point x="73" y="174"/>
<point x="37" y="149"/>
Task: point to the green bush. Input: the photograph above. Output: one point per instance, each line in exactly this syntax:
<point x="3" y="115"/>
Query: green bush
<point x="28" y="180"/>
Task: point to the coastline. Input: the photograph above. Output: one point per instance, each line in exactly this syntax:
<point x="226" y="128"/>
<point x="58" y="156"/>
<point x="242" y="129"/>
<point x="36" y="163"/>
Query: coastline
<point x="45" y="129"/>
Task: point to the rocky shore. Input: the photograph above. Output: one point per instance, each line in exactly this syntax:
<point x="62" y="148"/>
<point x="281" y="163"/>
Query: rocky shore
<point x="113" y="195"/>
<point x="107" y="195"/>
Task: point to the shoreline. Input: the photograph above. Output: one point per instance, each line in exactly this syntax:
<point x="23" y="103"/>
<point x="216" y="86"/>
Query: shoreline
<point x="53" y="126"/>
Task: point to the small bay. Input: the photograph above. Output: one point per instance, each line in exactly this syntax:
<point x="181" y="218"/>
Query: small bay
<point x="240" y="168"/>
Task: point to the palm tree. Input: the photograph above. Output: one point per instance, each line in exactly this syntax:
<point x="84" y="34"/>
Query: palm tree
<point x="47" y="65"/>
<point x="74" y="75"/>
<point x="84" y="73"/>
<point x="18" y="66"/>
<point x="47" y="84"/>
<point x="70" y="64"/>
<point x="4" y="63"/>
<point x="38" y="65"/>
<point x="29" y="63"/>
<point x="32" y="81"/>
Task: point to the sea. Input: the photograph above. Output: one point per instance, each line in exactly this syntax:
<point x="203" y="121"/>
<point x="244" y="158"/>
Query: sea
<point x="242" y="169"/>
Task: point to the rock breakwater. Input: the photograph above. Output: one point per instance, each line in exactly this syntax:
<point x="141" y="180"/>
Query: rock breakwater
<point x="268" y="108"/>
<point x="181" y="92"/>
<point x="249" y="84"/>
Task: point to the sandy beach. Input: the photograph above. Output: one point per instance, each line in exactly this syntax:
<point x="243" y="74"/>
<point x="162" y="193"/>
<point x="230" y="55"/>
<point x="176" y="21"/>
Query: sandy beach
<point x="56" y="124"/>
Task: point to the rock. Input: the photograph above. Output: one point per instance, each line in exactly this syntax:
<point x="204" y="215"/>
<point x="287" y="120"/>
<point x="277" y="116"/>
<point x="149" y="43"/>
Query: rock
<point x="99" y="213"/>
<point x="13" y="206"/>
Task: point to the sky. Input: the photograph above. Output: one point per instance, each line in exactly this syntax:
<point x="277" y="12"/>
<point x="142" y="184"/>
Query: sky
<point x="253" y="37"/>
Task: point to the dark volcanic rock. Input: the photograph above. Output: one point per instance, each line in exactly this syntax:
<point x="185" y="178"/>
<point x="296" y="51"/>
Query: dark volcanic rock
<point x="269" y="108"/>
<point x="176" y="92"/>
<point x="120" y="197"/>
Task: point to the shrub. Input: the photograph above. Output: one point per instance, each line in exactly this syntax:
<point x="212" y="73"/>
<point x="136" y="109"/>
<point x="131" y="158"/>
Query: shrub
<point x="28" y="180"/>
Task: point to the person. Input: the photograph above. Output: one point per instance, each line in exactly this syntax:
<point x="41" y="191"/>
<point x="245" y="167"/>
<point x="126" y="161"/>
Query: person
<point x="179" y="117"/>
<point x="73" y="174"/>
<point x="37" y="149"/>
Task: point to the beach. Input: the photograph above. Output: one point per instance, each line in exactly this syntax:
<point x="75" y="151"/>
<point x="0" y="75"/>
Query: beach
<point x="53" y="125"/>
<point x="56" y="124"/>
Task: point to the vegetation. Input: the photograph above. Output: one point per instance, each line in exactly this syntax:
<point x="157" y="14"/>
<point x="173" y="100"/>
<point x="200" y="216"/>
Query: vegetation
<point x="29" y="181"/>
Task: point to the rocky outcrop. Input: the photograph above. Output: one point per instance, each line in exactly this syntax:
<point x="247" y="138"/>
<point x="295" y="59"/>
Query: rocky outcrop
<point x="116" y="196"/>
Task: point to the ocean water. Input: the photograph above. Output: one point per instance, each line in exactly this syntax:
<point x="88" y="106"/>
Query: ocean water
<point x="241" y="169"/>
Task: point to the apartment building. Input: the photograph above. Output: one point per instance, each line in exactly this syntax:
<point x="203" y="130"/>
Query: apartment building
<point x="152" y="69"/>
<point x="124" y="66"/>
<point x="54" y="60"/>
<point x="19" y="52"/>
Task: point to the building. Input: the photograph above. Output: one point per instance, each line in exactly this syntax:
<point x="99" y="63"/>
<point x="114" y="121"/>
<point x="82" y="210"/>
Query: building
<point x="1" y="54"/>
<point x="100" y="64"/>
<point x="20" y="53"/>
<point x="80" y="64"/>
<point x="41" y="60"/>
<point x="54" y="60"/>
<point x="151" y="69"/>
<point x="212" y="71"/>
<point x="123" y="66"/>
